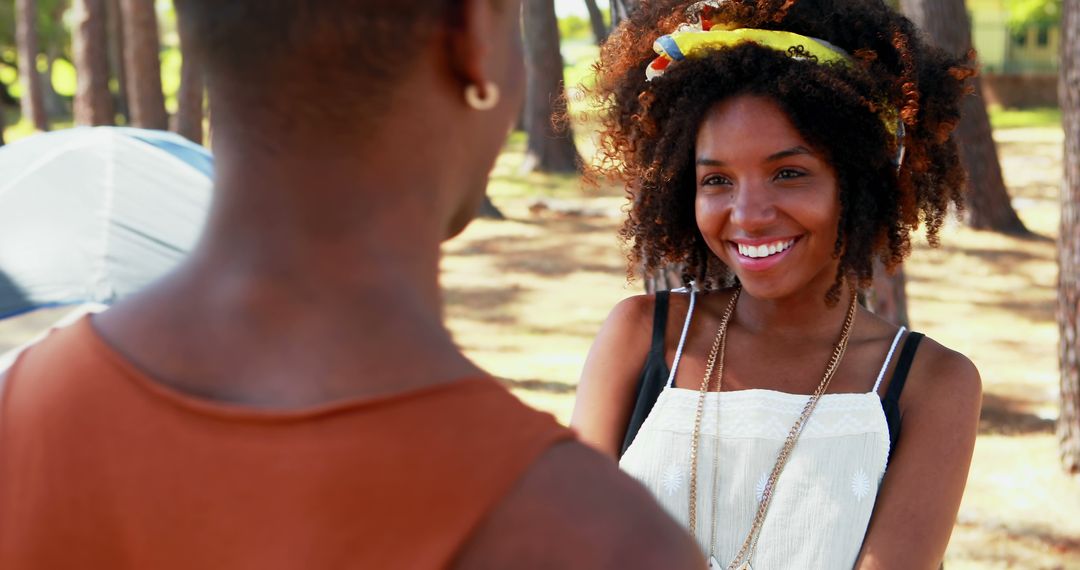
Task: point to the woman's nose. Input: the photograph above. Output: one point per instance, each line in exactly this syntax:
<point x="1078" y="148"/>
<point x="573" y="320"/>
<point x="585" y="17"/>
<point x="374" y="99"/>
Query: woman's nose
<point x="754" y="207"/>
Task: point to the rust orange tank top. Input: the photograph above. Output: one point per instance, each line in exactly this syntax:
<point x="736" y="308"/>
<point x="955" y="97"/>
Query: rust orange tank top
<point x="101" y="467"/>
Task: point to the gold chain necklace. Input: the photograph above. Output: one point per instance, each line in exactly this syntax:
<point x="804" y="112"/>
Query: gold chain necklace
<point x="746" y="553"/>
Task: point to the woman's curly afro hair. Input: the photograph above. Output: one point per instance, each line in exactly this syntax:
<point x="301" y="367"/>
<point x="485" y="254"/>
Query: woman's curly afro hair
<point x="649" y="129"/>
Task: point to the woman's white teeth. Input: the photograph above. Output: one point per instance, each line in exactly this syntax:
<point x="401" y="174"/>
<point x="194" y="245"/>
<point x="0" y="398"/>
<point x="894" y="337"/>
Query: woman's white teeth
<point x="765" y="250"/>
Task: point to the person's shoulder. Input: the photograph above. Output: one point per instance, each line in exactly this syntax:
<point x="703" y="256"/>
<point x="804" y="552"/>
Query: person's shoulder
<point x="946" y="369"/>
<point x="637" y="312"/>
<point x="633" y="312"/>
<point x="575" y="509"/>
<point x="628" y="326"/>
<point x="943" y="379"/>
<point x="66" y="347"/>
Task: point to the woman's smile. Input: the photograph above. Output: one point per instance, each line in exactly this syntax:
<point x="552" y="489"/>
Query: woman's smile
<point x="767" y="202"/>
<point x="761" y="254"/>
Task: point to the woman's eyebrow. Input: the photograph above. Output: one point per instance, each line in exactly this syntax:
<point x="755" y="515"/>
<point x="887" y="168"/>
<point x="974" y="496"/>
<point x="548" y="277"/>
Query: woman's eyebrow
<point x="702" y="161"/>
<point x="793" y="151"/>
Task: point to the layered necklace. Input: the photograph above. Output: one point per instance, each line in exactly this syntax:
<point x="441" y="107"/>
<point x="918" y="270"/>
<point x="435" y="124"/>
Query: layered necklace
<point x="716" y="361"/>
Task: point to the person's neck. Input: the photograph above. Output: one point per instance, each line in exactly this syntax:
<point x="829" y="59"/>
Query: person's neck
<point x="309" y="268"/>
<point x="334" y="223"/>
<point x="801" y="315"/>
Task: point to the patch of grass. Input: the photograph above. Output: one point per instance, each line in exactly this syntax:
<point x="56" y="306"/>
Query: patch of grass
<point x="17" y="128"/>
<point x="1001" y="118"/>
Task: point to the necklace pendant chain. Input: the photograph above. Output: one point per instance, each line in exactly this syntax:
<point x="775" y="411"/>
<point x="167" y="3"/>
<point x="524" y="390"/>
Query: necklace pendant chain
<point x="716" y="360"/>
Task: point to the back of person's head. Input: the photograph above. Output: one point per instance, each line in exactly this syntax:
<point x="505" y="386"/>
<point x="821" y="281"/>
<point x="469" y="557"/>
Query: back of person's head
<point x="891" y="99"/>
<point x="382" y="81"/>
<point x="293" y="45"/>
<point x="323" y="56"/>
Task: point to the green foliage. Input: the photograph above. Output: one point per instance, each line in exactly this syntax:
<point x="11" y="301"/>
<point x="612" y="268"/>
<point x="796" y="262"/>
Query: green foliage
<point x="1026" y="13"/>
<point x="54" y="38"/>
<point x="1024" y="118"/>
<point x="63" y="78"/>
<point x="574" y="28"/>
<point x="53" y="30"/>
<point x="7" y="24"/>
<point x="578" y="28"/>
<point x="170" y="76"/>
<point x="579" y="57"/>
<point x="8" y="75"/>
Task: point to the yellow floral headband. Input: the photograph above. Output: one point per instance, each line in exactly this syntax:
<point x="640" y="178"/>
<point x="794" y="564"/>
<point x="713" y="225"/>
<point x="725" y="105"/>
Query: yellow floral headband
<point x="695" y="39"/>
<point x="689" y="43"/>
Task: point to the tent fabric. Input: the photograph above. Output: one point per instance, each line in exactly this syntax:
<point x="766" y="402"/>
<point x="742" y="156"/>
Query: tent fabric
<point x="89" y="215"/>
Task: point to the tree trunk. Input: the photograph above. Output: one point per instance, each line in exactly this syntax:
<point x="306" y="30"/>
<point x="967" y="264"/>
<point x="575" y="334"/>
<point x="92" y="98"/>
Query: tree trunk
<point x="55" y="104"/>
<point x="666" y="279"/>
<point x="947" y="25"/>
<point x="596" y="18"/>
<point x="143" y="63"/>
<point x="5" y="100"/>
<point x="888" y="297"/>
<point x="116" y="57"/>
<point x="188" y="121"/>
<point x="620" y="10"/>
<point x="93" y="100"/>
<point x="988" y="203"/>
<point x="33" y="98"/>
<point x="550" y="149"/>
<point x="1069" y="242"/>
<point x="489" y="211"/>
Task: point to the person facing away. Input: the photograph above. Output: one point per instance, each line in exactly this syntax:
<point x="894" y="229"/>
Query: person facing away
<point x="289" y="397"/>
<point x="775" y="148"/>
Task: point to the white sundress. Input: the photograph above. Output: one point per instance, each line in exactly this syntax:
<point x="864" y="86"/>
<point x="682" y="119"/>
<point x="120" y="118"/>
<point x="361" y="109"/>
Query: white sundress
<point x="823" y="500"/>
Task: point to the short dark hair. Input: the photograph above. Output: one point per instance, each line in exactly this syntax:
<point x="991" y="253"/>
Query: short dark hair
<point x="262" y="44"/>
<point x="649" y="128"/>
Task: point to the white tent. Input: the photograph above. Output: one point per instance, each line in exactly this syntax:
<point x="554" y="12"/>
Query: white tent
<point x="90" y="215"/>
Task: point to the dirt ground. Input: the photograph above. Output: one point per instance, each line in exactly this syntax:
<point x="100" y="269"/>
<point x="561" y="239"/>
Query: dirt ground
<point x="526" y="295"/>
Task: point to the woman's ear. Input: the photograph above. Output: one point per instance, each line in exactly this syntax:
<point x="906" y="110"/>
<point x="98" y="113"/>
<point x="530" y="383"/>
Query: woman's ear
<point x="471" y="40"/>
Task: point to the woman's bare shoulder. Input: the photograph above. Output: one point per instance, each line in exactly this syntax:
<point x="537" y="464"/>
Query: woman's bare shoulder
<point x="943" y="371"/>
<point x="943" y="385"/>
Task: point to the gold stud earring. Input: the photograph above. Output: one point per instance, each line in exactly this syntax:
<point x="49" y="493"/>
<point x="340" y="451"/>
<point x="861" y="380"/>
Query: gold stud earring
<point x="484" y="102"/>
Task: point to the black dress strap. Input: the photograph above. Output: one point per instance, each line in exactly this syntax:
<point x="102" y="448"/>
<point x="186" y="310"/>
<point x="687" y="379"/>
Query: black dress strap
<point x="891" y="402"/>
<point x="653" y="375"/>
<point x="659" y="327"/>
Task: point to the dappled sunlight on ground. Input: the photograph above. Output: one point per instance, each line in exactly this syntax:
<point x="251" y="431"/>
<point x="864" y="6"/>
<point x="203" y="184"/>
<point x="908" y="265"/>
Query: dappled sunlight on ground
<point x="525" y="296"/>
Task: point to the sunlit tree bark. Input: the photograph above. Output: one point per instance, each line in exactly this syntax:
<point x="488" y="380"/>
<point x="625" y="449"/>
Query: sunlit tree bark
<point x="142" y="61"/>
<point x="93" y="101"/>
<point x="33" y="98"/>
<point x="947" y="25"/>
<point x="189" y="113"/>
<point x="549" y="149"/>
<point x="115" y="35"/>
<point x="1069" y="242"/>
<point x="596" y="19"/>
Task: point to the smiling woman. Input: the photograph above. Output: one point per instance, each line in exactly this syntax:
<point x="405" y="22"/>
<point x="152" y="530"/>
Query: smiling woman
<point x="776" y="148"/>
<point x="778" y="234"/>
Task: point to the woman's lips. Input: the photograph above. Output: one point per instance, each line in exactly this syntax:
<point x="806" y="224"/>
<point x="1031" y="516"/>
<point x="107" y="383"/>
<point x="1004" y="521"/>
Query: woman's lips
<point x="762" y="254"/>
